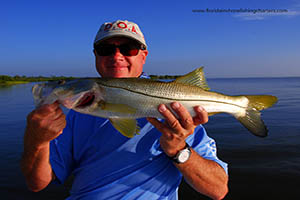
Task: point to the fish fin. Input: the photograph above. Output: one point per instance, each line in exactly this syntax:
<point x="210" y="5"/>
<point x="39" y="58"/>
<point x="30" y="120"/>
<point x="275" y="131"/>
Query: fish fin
<point x="253" y="123"/>
<point x="195" y="78"/>
<point x="260" y="102"/>
<point x="213" y="113"/>
<point x="120" y="108"/>
<point x="127" y="127"/>
<point x="252" y="120"/>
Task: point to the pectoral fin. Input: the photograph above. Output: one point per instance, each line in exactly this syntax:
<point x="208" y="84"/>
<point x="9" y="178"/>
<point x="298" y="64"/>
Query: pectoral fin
<point x="120" y="108"/>
<point x="128" y="127"/>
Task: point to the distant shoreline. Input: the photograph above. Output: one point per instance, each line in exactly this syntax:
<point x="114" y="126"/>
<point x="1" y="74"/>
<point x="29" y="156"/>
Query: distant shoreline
<point x="7" y="83"/>
<point x="13" y="80"/>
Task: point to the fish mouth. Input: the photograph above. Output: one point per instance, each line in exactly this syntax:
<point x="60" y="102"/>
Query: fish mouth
<point x="86" y="100"/>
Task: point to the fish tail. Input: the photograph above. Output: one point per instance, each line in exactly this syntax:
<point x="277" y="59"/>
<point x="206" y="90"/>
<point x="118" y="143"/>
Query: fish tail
<point x="261" y="102"/>
<point x="252" y="117"/>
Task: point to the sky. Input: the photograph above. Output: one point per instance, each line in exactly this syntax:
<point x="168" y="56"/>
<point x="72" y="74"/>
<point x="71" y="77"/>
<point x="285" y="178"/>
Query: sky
<point x="54" y="38"/>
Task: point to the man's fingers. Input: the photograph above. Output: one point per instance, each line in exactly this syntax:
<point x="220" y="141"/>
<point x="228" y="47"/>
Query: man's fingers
<point x="183" y="114"/>
<point x="158" y="125"/>
<point x="60" y="124"/>
<point x="52" y="108"/>
<point x="201" y="115"/>
<point x="171" y="120"/>
<point x="46" y="110"/>
<point x="58" y="113"/>
<point x="48" y="117"/>
<point x="51" y="111"/>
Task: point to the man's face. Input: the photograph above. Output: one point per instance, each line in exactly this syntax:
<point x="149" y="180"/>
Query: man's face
<point x="118" y="65"/>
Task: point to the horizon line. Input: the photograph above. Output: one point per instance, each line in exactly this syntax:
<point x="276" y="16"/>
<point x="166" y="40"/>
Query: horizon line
<point x="36" y="76"/>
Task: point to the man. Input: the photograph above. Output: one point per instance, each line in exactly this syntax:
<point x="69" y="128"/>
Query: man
<point x="107" y="165"/>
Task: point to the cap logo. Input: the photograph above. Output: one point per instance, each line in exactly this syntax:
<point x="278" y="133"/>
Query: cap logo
<point x="107" y="26"/>
<point x="120" y="28"/>
<point x="120" y="25"/>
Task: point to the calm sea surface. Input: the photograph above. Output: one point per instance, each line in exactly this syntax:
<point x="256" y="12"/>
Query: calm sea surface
<point x="259" y="168"/>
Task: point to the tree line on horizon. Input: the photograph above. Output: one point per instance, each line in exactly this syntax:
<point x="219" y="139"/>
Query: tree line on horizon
<point x="6" y="78"/>
<point x="161" y="77"/>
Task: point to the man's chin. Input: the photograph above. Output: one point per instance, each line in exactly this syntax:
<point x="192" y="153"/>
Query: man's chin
<point x="118" y="73"/>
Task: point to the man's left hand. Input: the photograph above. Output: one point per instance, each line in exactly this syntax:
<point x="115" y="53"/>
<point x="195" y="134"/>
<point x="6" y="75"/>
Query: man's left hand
<point x="174" y="129"/>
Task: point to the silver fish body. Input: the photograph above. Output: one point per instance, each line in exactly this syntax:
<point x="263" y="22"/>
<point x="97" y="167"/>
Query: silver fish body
<point x="123" y="100"/>
<point x="145" y="95"/>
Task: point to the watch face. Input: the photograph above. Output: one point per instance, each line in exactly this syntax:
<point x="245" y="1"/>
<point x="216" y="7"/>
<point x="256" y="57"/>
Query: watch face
<point x="184" y="156"/>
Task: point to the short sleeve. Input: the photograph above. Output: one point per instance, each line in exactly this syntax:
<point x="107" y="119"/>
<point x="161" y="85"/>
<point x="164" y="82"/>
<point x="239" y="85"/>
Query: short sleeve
<point x="205" y="146"/>
<point x="61" y="153"/>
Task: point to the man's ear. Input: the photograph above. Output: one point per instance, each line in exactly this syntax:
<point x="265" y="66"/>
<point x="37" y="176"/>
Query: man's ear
<point x="95" y="53"/>
<point x="145" y="53"/>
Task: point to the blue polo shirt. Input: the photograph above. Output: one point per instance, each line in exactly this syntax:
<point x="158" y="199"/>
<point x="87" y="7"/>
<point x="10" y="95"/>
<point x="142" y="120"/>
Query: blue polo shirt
<point x="107" y="165"/>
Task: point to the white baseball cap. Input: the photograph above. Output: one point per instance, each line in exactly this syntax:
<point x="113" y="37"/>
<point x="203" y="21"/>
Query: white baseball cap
<point x="120" y="28"/>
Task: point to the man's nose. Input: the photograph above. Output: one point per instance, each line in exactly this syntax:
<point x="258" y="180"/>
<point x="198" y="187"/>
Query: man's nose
<point x="117" y="54"/>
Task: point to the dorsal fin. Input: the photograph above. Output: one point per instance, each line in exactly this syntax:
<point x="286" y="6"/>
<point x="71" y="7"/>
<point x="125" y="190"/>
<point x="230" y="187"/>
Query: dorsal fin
<point x="195" y="78"/>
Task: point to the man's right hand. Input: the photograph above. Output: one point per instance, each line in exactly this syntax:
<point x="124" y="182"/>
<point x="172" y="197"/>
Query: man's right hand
<point x="44" y="124"/>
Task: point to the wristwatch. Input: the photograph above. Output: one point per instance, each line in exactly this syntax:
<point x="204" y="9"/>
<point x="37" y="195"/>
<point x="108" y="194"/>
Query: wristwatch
<point x="183" y="155"/>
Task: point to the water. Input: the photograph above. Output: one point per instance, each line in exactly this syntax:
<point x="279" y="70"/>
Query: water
<point x="259" y="168"/>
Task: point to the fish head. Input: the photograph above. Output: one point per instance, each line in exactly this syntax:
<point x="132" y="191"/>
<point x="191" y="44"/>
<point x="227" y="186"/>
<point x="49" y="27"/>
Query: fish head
<point x="78" y="93"/>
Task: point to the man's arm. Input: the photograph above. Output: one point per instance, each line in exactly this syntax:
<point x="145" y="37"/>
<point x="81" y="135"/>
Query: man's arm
<point x="43" y="125"/>
<point x="206" y="176"/>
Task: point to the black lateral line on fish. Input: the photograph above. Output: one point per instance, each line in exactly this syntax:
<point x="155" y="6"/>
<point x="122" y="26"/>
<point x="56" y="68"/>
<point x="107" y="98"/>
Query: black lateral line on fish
<point x="171" y="98"/>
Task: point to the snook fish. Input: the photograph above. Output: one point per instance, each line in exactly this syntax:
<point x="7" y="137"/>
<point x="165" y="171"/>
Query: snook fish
<point x="123" y="100"/>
